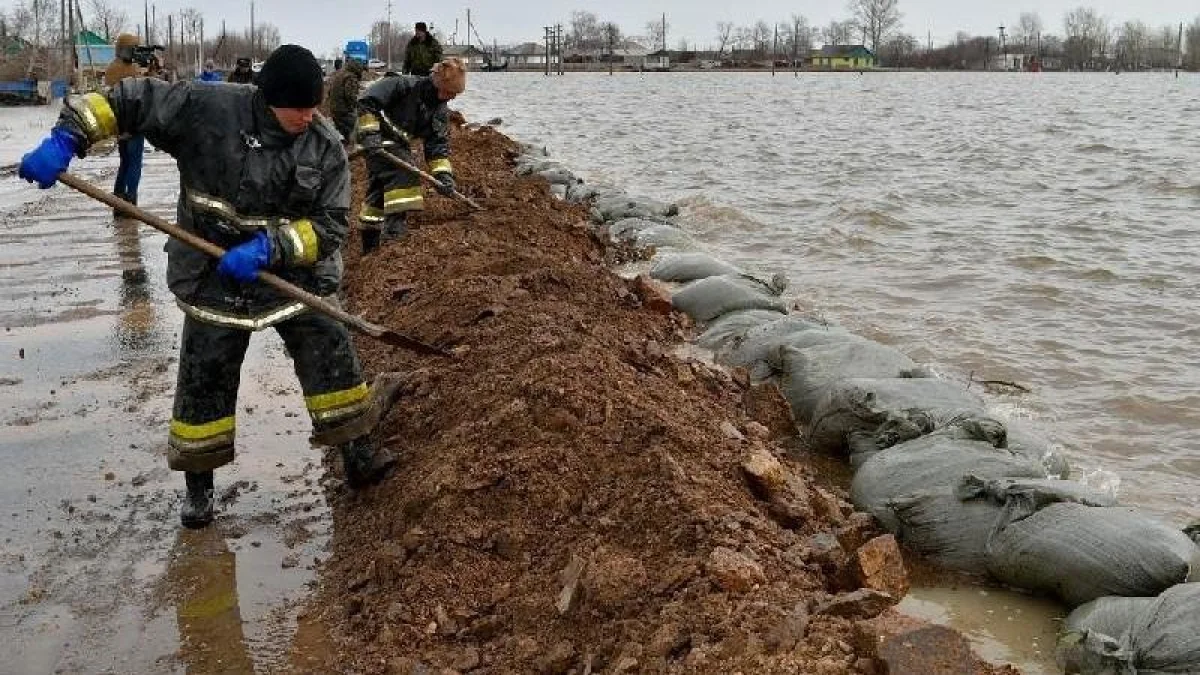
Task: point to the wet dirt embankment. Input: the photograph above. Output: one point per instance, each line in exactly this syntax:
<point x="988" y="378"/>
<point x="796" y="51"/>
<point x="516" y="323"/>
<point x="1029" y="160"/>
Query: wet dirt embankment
<point x="572" y="494"/>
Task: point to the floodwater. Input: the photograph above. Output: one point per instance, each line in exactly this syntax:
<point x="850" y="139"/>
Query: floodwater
<point x="96" y="576"/>
<point x="1038" y="229"/>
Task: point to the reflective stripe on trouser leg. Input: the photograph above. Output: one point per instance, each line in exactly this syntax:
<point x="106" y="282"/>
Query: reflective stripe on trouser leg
<point x="370" y="216"/>
<point x="328" y="369"/>
<point x="401" y="188"/>
<point x="202" y="425"/>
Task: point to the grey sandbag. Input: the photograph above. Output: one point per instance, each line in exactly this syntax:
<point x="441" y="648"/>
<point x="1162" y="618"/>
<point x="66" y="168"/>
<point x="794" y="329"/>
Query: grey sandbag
<point x="663" y="236"/>
<point x="758" y="349"/>
<point x="1014" y="436"/>
<point x="1081" y="553"/>
<point x="930" y="463"/>
<point x="689" y="267"/>
<point x="1135" y="636"/>
<point x="1110" y="615"/>
<point x="948" y="530"/>
<point x="580" y="192"/>
<point x="952" y="525"/>
<point x="627" y="229"/>
<point x="1165" y="637"/>
<point x="618" y="206"/>
<point x="808" y="371"/>
<point x="706" y="299"/>
<point x="862" y="406"/>
<point x="731" y="326"/>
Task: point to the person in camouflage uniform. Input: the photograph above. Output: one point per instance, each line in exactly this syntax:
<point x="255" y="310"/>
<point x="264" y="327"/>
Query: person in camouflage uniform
<point x="344" y="88"/>
<point x="422" y="52"/>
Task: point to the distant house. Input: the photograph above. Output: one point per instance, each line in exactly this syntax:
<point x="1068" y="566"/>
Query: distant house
<point x="843" y="57"/>
<point x="473" y="56"/>
<point x="659" y="60"/>
<point x="528" y="54"/>
<point x="92" y="52"/>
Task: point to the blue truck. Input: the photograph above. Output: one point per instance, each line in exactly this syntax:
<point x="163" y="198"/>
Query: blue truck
<point x="358" y="50"/>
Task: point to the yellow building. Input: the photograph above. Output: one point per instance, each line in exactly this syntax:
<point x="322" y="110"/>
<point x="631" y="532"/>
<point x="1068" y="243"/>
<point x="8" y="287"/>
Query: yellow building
<point x="843" y="57"/>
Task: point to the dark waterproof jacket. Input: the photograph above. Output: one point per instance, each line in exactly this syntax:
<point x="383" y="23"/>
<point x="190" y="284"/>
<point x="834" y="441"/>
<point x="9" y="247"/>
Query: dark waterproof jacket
<point x="240" y="76"/>
<point x="411" y="104"/>
<point x="239" y="172"/>
<point x="421" y="55"/>
<point x="344" y="88"/>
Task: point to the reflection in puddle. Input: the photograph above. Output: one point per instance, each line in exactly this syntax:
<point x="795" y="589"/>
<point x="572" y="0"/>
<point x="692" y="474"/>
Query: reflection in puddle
<point x="201" y="579"/>
<point x="1003" y="626"/>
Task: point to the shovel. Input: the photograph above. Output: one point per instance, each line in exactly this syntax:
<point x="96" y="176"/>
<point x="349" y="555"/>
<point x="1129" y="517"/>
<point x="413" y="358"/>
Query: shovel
<point x="430" y="178"/>
<point x="314" y="302"/>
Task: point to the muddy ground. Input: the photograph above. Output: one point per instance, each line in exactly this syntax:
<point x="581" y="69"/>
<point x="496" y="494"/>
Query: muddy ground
<point x="575" y="495"/>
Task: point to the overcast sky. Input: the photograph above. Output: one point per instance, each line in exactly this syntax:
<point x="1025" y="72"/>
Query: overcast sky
<point x="324" y="25"/>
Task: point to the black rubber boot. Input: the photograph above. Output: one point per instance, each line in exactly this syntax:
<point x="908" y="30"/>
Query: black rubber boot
<point x="364" y="465"/>
<point x="197" y="509"/>
<point x="370" y="240"/>
<point x="395" y="227"/>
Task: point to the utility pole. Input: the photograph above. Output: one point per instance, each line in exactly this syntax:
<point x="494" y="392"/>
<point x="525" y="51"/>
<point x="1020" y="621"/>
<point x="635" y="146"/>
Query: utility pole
<point x="389" y="36"/>
<point x="774" y="50"/>
<point x="608" y="29"/>
<point x="1003" y="47"/>
<point x="145" y="18"/>
<point x="548" y="36"/>
<point x="253" y="36"/>
<point x="468" y="29"/>
<point x="664" y="31"/>
<point x="558" y="40"/>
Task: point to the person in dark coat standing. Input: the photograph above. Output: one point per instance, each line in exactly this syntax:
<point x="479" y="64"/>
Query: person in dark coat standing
<point x="422" y="52"/>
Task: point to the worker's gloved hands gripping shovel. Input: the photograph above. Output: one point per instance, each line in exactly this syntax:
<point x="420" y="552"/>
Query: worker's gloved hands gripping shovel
<point x="245" y="262"/>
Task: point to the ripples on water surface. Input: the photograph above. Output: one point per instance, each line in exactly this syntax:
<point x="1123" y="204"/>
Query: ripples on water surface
<point x="1038" y="228"/>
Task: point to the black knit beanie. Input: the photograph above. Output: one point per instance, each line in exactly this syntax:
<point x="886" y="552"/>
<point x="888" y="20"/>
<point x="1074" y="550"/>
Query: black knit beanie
<point x="292" y="78"/>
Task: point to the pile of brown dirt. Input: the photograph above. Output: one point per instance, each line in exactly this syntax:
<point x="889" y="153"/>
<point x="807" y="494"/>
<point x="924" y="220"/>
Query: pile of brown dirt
<point x="571" y="496"/>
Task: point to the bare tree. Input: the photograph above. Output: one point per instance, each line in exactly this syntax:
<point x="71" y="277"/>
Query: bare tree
<point x="109" y="19"/>
<point x="1029" y="27"/>
<point x="797" y="37"/>
<point x="724" y="34"/>
<point x="1131" y="43"/>
<point x="761" y="38"/>
<point x="1086" y="37"/>
<point x="1192" y="41"/>
<point x="839" y="32"/>
<point x="584" y="32"/>
<point x="878" y="18"/>
<point x="656" y="31"/>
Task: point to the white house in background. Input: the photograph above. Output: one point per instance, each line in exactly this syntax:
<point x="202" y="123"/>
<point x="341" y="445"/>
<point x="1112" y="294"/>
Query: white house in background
<point x="1011" y="61"/>
<point x="659" y="60"/>
<point x="468" y="53"/>
<point x="528" y="54"/>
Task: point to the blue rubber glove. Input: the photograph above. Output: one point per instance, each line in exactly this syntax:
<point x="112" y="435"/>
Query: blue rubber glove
<point x="242" y="262"/>
<point x="43" y="164"/>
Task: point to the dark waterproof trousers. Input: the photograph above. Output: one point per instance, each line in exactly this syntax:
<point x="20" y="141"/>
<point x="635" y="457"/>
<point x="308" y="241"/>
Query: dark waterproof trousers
<point x="210" y="363"/>
<point x="391" y="192"/>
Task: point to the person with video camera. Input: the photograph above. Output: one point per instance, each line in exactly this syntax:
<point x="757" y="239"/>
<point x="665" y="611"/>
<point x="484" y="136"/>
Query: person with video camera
<point x="131" y="148"/>
<point x="243" y="73"/>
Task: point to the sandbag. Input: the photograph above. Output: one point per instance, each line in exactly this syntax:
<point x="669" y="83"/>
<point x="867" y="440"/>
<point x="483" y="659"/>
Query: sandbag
<point x="806" y="372"/>
<point x="706" y="299"/>
<point x="1138" y="636"/>
<point x="1165" y="637"/>
<point x="663" y="236"/>
<point x="930" y="463"/>
<point x="580" y="192"/>
<point x="1081" y="553"/>
<point x="729" y="327"/>
<point x="952" y="525"/>
<point x="945" y="528"/>
<point x="863" y="406"/>
<point x="618" y="206"/>
<point x="689" y="267"/>
<point x="627" y="229"/>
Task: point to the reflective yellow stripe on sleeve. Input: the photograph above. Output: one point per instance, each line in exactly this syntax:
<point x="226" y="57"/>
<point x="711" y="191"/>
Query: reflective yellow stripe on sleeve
<point x="335" y="404"/>
<point x="367" y="123"/>
<point x="302" y="239"/>
<point x="99" y="120"/>
<point x="440" y="166"/>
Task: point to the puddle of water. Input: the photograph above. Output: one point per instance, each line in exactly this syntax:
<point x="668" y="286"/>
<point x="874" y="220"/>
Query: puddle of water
<point x="1004" y="626"/>
<point x="95" y="573"/>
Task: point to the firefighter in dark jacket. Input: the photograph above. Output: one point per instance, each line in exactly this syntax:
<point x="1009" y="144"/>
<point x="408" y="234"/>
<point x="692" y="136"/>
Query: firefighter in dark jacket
<point x="393" y="111"/>
<point x="263" y="178"/>
<point x="344" y="88"/>
<point x="242" y="72"/>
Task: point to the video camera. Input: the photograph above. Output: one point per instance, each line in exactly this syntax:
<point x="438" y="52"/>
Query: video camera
<point x="143" y="55"/>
